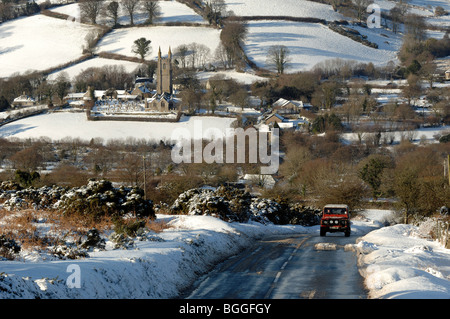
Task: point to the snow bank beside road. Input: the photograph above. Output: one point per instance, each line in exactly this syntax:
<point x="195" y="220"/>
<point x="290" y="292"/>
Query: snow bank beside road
<point x="159" y="266"/>
<point x="397" y="264"/>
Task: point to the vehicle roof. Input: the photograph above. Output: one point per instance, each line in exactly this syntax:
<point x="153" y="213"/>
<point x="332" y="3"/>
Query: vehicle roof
<point x="336" y="206"/>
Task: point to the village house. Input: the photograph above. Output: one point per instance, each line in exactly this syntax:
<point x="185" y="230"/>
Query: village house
<point x="283" y="106"/>
<point x="144" y="81"/>
<point x="276" y="120"/>
<point x="160" y="103"/>
<point x="142" y="92"/>
<point x="23" y="101"/>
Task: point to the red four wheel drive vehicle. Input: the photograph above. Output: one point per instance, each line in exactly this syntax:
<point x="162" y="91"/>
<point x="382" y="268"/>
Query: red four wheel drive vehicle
<point x="335" y="218"/>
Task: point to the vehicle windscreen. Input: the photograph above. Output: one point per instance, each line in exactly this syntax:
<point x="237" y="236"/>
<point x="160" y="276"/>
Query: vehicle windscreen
<point x="335" y="211"/>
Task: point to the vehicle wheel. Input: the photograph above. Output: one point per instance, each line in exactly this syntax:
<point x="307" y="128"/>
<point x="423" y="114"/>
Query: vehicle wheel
<point x="323" y="232"/>
<point x="347" y="233"/>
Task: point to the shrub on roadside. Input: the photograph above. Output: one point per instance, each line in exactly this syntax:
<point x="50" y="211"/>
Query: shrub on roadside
<point x="236" y="205"/>
<point x="8" y="247"/>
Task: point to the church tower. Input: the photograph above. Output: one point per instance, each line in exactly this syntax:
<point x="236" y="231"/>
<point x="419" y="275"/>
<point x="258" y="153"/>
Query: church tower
<point x="164" y="74"/>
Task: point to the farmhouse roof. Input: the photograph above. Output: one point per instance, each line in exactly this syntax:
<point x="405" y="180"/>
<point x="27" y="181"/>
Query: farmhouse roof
<point x="143" y="89"/>
<point x="276" y="115"/>
<point x="71" y="96"/>
<point x="24" y="98"/>
<point x="283" y="103"/>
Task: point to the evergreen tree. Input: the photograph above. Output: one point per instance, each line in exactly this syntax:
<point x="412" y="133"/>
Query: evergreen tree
<point x="141" y="47"/>
<point x="371" y="173"/>
<point x="4" y="104"/>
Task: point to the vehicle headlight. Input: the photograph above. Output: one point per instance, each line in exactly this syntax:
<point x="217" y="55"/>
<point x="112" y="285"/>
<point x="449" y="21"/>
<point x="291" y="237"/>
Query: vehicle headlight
<point x="325" y="222"/>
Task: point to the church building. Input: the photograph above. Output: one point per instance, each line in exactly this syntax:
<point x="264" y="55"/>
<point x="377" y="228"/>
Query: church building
<point x="162" y="101"/>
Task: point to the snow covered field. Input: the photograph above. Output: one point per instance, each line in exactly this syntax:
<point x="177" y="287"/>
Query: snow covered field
<point x="38" y="43"/>
<point x="120" y="41"/>
<point x="294" y="8"/>
<point x="242" y="77"/>
<point x="309" y="44"/>
<point x="395" y="262"/>
<point x="59" y="125"/>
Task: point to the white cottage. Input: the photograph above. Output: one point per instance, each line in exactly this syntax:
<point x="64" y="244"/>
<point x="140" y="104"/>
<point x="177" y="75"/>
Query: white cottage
<point x="23" y="101"/>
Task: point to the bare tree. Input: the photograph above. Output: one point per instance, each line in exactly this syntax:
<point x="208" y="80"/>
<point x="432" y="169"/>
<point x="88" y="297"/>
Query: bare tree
<point x="6" y="11"/>
<point x="292" y="166"/>
<point x="233" y="35"/>
<point x="413" y="89"/>
<point x="215" y="11"/>
<point x="415" y="27"/>
<point x="396" y="15"/>
<point x="429" y="72"/>
<point x="131" y="168"/>
<point x="181" y="53"/>
<point x="222" y="57"/>
<point x="361" y="7"/>
<point x="278" y="57"/>
<point x="91" y="41"/>
<point x="198" y="54"/>
<point x="62" y="86"/>
<point x="240" y="98"/>
<point x="193" y="53"/>
<point x="131" y="6"/>
<point x="29" y="159"/>
<point x="91" y="9"/>
<point x="203" y="53"/>
<point x="112" y="12"/>
<point x="153" y="10"/>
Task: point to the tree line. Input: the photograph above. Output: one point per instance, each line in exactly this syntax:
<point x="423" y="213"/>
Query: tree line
<point x="92" y="10"/>
<point x="213" y="11"/>
<point x="12" y="9"/>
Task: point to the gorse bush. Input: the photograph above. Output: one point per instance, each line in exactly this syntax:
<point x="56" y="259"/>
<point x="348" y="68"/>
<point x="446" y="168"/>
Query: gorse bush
<point x="128" y="227"/>
<point x="100" y="198"/>
<point x="94" y="200"/>
<point x="236" y="205"/>
<point x="8" y="247"/>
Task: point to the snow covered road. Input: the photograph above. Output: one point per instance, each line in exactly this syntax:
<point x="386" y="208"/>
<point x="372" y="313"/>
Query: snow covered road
<point x="295" y="266"/>
<point x="395" y="263"/>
